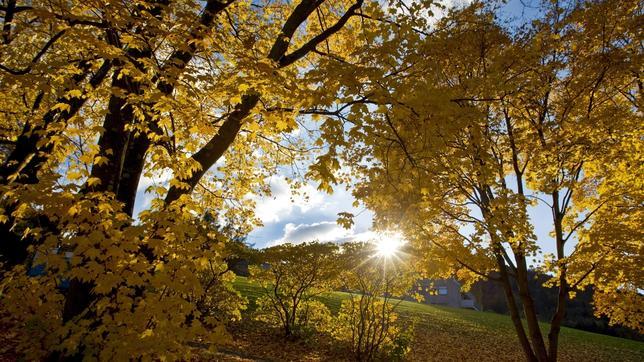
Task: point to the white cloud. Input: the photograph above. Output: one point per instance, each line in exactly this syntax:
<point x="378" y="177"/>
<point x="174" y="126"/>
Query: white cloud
<point x="325" y="231"/>
<point x="283" y="202"/>
<point x="306" y="215"/>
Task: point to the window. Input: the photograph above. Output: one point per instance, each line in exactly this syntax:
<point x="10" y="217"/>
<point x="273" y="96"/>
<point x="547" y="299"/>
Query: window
<point x="442" y="290"/>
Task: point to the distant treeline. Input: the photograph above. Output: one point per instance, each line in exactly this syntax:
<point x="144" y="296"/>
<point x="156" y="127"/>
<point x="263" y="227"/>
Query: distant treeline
<point x="579" y="312"/>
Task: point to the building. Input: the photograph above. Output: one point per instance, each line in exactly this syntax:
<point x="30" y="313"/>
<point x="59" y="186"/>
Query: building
<point x="445" y="292"/>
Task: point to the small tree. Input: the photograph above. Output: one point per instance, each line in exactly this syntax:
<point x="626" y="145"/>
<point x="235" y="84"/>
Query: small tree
<point x="218" y="298"/>
<point x="368" y="319"/>
<point x="291" y="276"/>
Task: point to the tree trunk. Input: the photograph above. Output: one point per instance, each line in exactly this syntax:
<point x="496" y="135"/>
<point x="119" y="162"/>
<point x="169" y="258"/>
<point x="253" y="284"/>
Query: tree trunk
<point x="529" y="308"/>
<point x="134" y="158"/>
<point x="538" y="349"/>
<point x="557" y="319"/>
<point x="562" y="297"/>
<point x="514" y="310"/>
<point x="14" y="247"/>
<point x="113" y="141"/>
<point x="112" y="145"/>
<point x="77" y="298"/>
<point x="125" y="152"/>
<point x="133" y="165"/>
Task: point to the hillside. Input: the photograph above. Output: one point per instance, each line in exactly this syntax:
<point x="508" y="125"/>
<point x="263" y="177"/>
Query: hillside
<point x="441" y="334"/>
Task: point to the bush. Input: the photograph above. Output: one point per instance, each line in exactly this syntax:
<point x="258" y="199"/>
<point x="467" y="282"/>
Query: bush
<point x="291" y="275"/>
<point x="310" y="317"/>
<point x="368" y="321"/>
<point x="372" y="328"/>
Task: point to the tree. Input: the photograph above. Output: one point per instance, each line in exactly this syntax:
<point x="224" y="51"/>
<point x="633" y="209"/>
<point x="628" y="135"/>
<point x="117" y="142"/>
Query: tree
<point x="368" y="319"/>
<point x="291" y="276"/>
<point x="475" y="125"/>
<point x="219" y="298"/>
<point x="97" y="95"/>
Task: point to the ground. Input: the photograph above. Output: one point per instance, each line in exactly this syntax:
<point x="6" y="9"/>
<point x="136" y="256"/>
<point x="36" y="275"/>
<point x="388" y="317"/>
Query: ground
<point x="441" y="334"/>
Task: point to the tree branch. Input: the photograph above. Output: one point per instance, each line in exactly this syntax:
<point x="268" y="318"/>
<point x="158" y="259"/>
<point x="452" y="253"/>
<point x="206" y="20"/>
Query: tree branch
<point x="312" y="44"/>
<point x="35" y="58"/>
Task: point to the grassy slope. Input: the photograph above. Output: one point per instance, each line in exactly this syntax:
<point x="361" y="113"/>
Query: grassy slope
<point x="443" y="333"/>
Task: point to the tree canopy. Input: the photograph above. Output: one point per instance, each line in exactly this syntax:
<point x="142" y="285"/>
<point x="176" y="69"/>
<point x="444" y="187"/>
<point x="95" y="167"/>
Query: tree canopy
<point x="98" y="94"/>
<point x="450" y="130"/>
<point x="476" y="124"/>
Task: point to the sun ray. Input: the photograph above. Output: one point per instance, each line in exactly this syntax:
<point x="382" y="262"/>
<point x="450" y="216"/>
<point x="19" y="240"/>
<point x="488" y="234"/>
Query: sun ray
<point x="389" y="245"/>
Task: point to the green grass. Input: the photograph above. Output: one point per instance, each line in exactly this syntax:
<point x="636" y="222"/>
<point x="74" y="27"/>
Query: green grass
<point x="452" y="333"/>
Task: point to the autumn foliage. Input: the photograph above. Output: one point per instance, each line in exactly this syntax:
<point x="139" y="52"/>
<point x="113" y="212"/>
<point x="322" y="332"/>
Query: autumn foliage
<point x="478" y="124"/>
<point x="123" y="123"/>
<point x="291" y="276"/>
<point x="98" y="95"/>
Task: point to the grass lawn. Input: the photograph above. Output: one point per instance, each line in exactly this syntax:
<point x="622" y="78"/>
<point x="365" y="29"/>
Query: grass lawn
<point x="441" y="333"/>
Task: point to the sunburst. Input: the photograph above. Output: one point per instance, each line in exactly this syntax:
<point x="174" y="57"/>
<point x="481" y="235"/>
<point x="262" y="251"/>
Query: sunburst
<point x="389" y="244"/>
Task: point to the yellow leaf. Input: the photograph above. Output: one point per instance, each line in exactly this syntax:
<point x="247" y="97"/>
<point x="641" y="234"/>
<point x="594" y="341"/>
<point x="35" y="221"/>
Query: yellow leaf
<point x="93" y="181"/>
<point x="74" y="93"/>
<point x="281" y="124"/>
<point x="253" y="126"/>
<point x="147" y="333"/>
<point x="61" y="107"/>
<point x="99" y="160"/>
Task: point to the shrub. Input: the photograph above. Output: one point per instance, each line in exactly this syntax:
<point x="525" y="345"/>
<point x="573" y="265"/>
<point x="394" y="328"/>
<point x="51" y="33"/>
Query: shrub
<point x="291" y="275"/>
<point x="310" y="317"/>
<point x="372" y="328"/>
<point x="368" y="320"/>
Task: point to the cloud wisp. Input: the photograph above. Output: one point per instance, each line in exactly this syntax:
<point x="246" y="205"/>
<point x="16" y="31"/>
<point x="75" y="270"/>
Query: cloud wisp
<point x="325" y="231"/>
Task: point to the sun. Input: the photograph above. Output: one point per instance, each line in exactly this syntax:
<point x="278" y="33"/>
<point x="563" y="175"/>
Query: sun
<point x="389" y="244"/>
